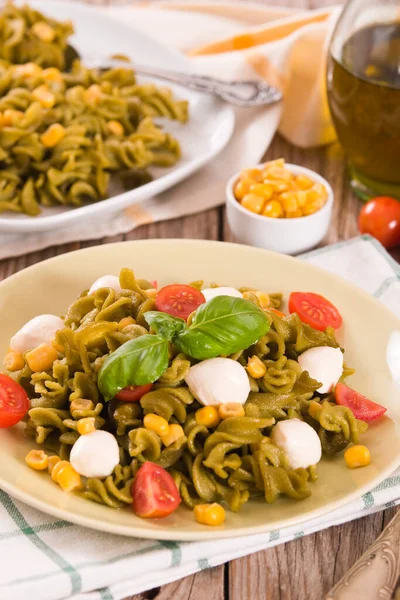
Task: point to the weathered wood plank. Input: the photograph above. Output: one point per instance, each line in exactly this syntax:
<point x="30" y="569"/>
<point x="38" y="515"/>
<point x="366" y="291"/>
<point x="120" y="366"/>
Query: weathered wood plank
<point x="205" y="585"/>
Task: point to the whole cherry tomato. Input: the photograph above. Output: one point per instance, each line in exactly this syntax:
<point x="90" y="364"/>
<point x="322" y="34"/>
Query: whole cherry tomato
<point x="381" y="218"/>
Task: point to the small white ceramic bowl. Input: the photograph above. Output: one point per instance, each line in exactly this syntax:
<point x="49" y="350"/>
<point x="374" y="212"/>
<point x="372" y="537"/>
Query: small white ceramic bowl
<point x="289" y="236"/>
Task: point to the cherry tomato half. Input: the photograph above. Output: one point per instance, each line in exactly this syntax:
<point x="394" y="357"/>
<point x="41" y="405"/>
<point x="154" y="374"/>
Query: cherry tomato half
<point x="179" y="300"/>
<point x="133" y="393"/>
<point x="360" y="406"/>
<point x="315" y="310"/>
<point x="154" y="492"/>
<point x="14" y="402"/>
<point x="381" y="218"/>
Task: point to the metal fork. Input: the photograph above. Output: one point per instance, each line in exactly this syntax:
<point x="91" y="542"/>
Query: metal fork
<point x="238" y="93"/>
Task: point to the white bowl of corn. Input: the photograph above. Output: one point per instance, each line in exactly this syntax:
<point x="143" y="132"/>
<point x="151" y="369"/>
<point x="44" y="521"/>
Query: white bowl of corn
<point x="278" y="206"/>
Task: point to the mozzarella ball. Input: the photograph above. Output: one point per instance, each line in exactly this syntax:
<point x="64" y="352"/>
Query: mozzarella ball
<point x="324" y="364"/>
<point x="37" y="331"/>
<point x="209" y="293"/>
<point x="393" y="356"/>
<point x="218" y="381"/>
<point x="107" y="281"/>
<point x="95" y="454"/>
<point x="299" y="441"/>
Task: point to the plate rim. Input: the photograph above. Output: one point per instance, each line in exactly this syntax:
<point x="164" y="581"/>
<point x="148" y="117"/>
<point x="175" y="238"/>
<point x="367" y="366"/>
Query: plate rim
<point x="213" y="534"/>
<point x="118" y="203"/>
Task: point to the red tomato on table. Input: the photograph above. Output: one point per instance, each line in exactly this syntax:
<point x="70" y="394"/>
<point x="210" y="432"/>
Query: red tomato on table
<point x="154" y="492"/>
<point x="315" y="310"/>
<point x="179" y="300"/>
<point x="133" y="393"/>
<point x="14" y="402"/>
<point x="381" y="218"/>
<point x="360" y="406"/>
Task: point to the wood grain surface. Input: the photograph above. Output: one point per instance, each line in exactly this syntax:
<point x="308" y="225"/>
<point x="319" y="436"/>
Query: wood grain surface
<point x="307" y="568"/>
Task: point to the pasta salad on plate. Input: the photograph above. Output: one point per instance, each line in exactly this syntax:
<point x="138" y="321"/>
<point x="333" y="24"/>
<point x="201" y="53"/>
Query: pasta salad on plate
<point x="151" y="397"/>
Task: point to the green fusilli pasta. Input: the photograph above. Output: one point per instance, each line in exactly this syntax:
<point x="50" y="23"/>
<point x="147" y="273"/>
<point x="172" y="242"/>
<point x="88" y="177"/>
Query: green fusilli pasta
<point x="230" y="460"/>
<point x="64" y="134"/>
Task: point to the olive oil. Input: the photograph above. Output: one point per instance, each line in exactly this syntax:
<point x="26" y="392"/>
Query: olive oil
<point x="364" y="99"/>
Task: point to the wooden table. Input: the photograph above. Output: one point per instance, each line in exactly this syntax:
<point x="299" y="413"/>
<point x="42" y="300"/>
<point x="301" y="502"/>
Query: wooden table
<point x="307" y="568"/>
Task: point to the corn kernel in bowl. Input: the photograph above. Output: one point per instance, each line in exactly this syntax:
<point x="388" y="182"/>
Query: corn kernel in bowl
<point x="274" y="191"/>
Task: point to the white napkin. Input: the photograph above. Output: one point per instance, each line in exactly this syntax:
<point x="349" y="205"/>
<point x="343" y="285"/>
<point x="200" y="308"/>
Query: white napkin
<point x="61" y="560"/>
<point x="289" y="62"/>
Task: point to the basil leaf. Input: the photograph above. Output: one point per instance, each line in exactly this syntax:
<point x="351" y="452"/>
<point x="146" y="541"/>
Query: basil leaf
<point x="165" y="325"/>
<point x="222" y="326"/>
<point x="139" y="361"/>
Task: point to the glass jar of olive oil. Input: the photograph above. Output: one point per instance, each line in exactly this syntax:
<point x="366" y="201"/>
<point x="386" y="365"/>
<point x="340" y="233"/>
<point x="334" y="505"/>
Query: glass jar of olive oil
<point x="363" y="81"/>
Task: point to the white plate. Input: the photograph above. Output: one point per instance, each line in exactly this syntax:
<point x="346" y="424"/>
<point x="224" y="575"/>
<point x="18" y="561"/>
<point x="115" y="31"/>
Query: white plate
<point x="203" y="137"/>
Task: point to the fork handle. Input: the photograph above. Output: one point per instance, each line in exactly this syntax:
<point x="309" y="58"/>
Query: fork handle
<point x="240" y="93"/>
<point x="375" y="574"/>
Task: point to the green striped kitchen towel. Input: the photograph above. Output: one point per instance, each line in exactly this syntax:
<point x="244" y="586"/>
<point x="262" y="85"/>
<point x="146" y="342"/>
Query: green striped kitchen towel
<point x="42" y="558"/>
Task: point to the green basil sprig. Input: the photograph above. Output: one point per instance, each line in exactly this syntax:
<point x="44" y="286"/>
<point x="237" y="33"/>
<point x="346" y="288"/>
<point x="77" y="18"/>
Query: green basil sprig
<point x="222" y="326"/>
<point x="137" y="362"/>
<point x="165" y="325"/>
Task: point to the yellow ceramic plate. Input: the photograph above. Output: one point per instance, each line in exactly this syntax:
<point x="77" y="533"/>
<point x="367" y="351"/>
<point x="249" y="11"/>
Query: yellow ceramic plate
<point x="50" y="286"/>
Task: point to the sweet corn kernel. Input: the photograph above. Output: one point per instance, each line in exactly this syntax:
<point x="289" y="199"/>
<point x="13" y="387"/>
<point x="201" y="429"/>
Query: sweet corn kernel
<point x="303" y="182"/>
<point x="293" y="214"/>
<point x="125" y="322"/>
<point x="43" y="31"/>
<point x="174" y="433"/>
<point x="231" y="409"/>
<point x="279" y="173"/>
<point x="53" y="134"/>
<point x="43" y="95"/>
<point x="357" y="456"/>
<point x="278" y="186"/>
<point x="209" y="514"/>
<point x="13" y="361"/>
<point x="86" y="425"/>
<point x="93" y="94"/>
<point x="289" y="201"/>
<point x="115" y="128"/>
<point x="320" y="190"/>
<point x="278" y="162"/>
<point x="253" y="203"/>
<point x="57" y="467"/>
<point x="273" y="209"/>
<point x="41" y="358"/>
<point x="315" y="195"/>
<point x="301" y="197"/>
<point x="262" y="189"/>
<point x="52" y="75"/>
<point x="255" y="367"/>
<point x="37" y="459"/>
<point x="208" y="416"/>
<point x="253" y="174"/>
<point x="53" y="460"/>
<point x="151" y="292"/>
<point x="312" y="206"/>
<point x="242" y="188"/>
<point x="11" y="117"/>
<point x="27" y="70"/>
<point x="156" y="423"/>
<point x="68" y="479"/>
